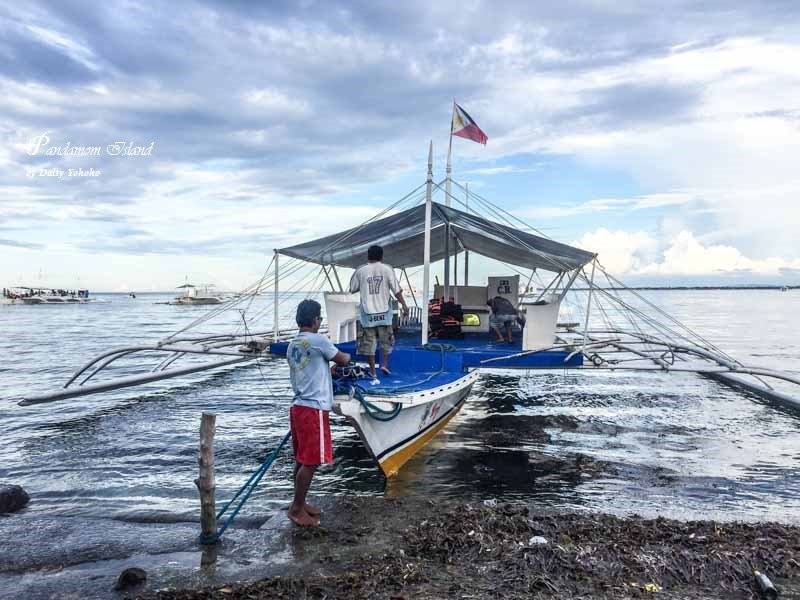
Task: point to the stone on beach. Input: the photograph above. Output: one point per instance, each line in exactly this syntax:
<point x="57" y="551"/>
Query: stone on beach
<point x="12" y="498"/>
<point x="130" y="577"/>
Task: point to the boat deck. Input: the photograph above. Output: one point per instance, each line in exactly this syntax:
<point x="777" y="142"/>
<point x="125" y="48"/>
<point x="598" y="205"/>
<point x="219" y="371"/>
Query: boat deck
<point x="414" y="368"/>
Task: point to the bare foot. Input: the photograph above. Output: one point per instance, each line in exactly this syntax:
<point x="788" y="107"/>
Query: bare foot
<point x="500" y="340"/>
<point x="312" y="510"/>
<point x="373" y="374"/>
<point x="303" y="519"/>
<point x="386" y="371"/>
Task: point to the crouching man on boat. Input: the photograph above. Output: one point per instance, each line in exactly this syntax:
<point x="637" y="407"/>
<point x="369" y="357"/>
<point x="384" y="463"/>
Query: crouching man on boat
<point x="376" y="282"/>
<point x="503" y="317"/>
<point x="309" y="355"/>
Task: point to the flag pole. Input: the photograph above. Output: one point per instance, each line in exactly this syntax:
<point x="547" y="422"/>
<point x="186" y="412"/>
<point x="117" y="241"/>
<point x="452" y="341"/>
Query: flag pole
<point x="449" y="168"/>
<point x="447" y="188"/>
<point x="426" y="276"/>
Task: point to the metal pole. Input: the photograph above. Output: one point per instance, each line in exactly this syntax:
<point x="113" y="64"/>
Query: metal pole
<point x="449" y="168"/>
<point x="588" y="305"/>
<point x="410" y="287"/>
<point x="455" y="272"/>
<point x="426" y="277"/>
<point x="336" y="275"/>
<point x="556" y="280"/>
<point x="276" y="317"/>
<point x="569" y="283"/>
<point x="466" y="252"/>
<point x="447" y="262"/>
<point x="527" y="286"/>
<point x="328" y="277"/>
<point x="447" y="193"/>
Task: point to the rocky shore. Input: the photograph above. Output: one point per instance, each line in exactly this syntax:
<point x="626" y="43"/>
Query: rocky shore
<point x="409" y="548"/>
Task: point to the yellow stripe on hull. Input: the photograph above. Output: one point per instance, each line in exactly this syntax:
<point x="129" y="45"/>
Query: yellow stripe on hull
<point x="391" y="464"/>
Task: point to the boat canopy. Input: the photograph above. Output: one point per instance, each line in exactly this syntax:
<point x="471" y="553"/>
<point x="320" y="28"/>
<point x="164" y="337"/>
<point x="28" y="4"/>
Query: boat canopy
<point x="402" y="237"/>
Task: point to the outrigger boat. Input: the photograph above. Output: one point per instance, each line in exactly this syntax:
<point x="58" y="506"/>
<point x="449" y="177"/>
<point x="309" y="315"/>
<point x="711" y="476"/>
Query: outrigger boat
<point x="194" y="295"/>
<point x="44" y="295"/>
<point x="582" y="318"/>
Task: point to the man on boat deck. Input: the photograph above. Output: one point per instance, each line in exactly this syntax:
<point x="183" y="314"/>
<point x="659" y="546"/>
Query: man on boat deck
<point x="376" y="282"/>
<point x="503" y="316"/>
<point x="309" y="354"/>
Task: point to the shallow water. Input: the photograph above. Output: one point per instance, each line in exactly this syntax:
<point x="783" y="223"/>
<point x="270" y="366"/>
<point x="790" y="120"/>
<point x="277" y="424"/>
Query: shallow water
<point x="648" y="443"/>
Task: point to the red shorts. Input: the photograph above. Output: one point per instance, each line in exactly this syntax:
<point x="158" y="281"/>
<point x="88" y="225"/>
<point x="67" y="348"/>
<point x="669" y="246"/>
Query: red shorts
<point x="311" y="435"/>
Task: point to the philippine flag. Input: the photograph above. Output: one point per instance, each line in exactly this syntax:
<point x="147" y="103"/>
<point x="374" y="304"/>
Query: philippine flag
<point x="463" y="126"/>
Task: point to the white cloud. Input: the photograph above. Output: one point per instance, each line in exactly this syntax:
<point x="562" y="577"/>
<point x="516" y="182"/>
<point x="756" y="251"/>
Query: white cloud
<point x="74" y="49"/>
<point x="499" y="170"/>
<point x="599" y="205"/>
<point x="687" y="256"/>
<point x="735" y="151"/>
<point x="620" y="252"/>
<point x="301" y="112"/>
<point x="637" y="254"/>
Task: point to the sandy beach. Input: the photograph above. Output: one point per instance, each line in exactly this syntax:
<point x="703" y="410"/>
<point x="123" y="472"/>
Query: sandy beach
<point x="376" y="548"/>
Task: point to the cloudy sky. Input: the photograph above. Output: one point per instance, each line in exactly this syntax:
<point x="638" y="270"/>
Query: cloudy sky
<point x="663" y="135"/>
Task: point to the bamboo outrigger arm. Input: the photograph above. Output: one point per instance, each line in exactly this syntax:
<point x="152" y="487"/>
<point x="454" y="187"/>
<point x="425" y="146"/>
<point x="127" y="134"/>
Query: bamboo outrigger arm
<point x="123" y="382"/>
<point x="722" y="369"/>
<point x="175" y="348"/>
<point x="119" y="352"/>
<point x="728" y="372"/>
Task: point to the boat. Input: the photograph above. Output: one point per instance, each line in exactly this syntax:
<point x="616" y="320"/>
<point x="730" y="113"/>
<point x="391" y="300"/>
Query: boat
<point x="44" y="295"/>
<point x="576" y="316"/>
<point x="196" y="295"/>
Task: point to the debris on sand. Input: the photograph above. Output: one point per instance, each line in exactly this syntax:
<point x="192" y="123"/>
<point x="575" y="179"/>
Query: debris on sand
<point x="457" y="550"/>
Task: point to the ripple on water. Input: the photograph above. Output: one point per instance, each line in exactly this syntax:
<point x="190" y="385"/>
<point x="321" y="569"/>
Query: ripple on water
<point x="614" y="441"/>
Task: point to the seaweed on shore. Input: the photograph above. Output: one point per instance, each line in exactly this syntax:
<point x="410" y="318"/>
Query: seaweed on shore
<point x="467" y="551"/>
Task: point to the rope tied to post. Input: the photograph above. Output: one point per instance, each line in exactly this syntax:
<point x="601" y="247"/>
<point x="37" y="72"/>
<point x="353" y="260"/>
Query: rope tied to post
<point x="246" y="489"/>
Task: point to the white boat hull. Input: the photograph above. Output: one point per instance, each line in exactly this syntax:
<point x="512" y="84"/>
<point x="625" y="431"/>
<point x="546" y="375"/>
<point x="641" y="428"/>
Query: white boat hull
<point x="423" y="414"/>
<point x="51" y="300"/>
<point x="183" y="301"/>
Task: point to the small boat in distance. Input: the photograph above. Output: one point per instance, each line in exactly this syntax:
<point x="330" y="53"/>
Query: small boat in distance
<point x="44" y="295"/>
<point x="196" y="295"/>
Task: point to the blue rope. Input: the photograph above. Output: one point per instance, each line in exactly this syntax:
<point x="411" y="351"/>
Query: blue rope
<point x="249" y="486"/>
<point x="340" y="386"/>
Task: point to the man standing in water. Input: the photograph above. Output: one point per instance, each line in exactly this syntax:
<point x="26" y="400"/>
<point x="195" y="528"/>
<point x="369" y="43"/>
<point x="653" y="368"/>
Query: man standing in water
<point x="377" y="283"/>
<point x="309" y="354"/>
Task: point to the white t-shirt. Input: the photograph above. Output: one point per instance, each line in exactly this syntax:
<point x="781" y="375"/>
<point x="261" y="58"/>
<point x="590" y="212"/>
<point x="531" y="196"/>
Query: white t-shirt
<point x="377" y="283"/>
<point x="308" y="355"/>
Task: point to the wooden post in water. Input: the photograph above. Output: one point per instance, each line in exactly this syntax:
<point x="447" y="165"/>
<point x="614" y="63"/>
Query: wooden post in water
<point x="205" y="482"/>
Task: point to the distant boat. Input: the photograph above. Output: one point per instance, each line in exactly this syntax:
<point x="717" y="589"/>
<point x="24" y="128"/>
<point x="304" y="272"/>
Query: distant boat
<point x="44" y="295"/>
<point x="132" y="295"/>
<point x="784" y="289"/>
<point x="194" y="295"/>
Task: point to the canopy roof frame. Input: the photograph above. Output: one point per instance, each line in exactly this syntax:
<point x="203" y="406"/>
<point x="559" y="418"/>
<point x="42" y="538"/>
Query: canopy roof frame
<point x="401" y="235"/>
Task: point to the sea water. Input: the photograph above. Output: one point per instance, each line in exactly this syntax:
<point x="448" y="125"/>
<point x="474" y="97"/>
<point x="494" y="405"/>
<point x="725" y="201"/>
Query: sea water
<point x="650" y="443"/>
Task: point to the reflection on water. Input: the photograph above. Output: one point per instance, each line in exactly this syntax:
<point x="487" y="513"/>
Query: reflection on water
<point x="621" y="442"/>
